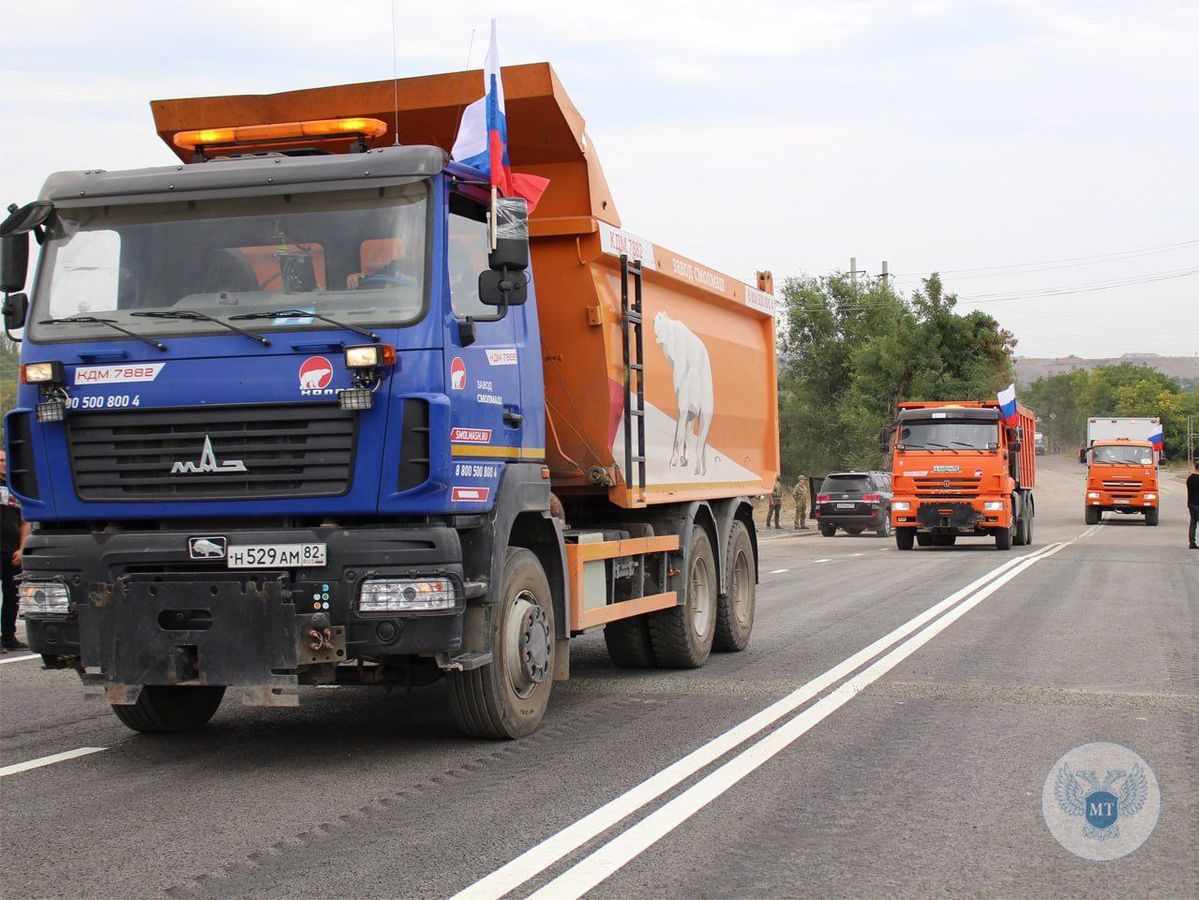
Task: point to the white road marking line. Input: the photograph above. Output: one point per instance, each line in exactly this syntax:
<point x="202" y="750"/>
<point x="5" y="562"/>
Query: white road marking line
<point x="822" y="560"/>
<point x="857" y="554"/>
<point x="543" y="855"/>
<point x="612" y="856"/>
<point x="778" y="571"/>
<point x="48" y="760"/>
<point x="19" y="658"/>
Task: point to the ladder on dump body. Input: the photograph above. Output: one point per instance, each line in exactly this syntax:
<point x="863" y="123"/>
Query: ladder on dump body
<point x="634" y="364"/>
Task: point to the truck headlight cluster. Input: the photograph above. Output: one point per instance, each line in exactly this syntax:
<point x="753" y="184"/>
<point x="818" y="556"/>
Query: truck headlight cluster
<point x="405" y="595"/>
<point x="43" y="598"/>
<point x="1092" y="495"/>
<point x="993" y="505"/>
<point x="1151" y="496"/>
<point x="901" y="506"/>
<point x="43" y="372"/>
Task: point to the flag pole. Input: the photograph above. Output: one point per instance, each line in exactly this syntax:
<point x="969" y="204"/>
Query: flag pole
<point x="494" y="229"/>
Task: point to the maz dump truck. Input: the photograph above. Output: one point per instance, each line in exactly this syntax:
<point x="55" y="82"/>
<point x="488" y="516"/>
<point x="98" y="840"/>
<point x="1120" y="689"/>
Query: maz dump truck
<point x="314" y="406"/>
<point x="959" y="471"/>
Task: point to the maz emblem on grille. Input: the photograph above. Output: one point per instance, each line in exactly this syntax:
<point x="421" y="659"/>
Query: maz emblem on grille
<point x="208" y="464"/>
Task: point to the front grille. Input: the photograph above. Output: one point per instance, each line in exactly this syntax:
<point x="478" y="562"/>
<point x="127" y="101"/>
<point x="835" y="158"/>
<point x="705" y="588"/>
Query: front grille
<point x="1122" y="490"/>
<point x="946" y="487"/>
<point x="284" y="451"/>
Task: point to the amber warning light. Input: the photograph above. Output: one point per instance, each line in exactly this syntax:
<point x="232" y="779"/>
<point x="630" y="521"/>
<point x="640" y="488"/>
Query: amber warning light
<point x="280" y="131"/>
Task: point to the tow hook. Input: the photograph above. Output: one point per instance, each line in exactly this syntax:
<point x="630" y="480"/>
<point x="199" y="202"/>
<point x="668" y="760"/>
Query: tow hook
<point x="321" y="640"/>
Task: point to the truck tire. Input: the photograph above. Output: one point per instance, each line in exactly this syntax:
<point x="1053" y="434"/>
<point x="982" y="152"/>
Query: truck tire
<point x="507" y="697"/>
<point x="1021" y="536"/>
<point x="1091" y="515"/>
<point x="828" y="530"/>
<point x="1152" y="515"/>
<point x="735" y="610"/>
<point x="924" y="539"/>
<point x="682" y="636"/>
<point x="1003" y="539"/>
<point x="905" y="538"/>
<point x="629" y="646"/>
<point x="167" y="708"/>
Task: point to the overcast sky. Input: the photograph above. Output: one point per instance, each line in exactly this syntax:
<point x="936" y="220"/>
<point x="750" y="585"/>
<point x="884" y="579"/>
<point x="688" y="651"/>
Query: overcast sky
<point x="1024" y="149"/>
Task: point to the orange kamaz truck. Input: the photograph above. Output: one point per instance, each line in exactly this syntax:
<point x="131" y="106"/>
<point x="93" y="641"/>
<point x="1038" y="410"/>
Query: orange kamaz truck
<point x="313" y="405"/>
<point x="1121" y="477"/>
<point x="959" y="471"/>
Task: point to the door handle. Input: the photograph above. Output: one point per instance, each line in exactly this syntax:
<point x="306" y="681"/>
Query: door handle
<point x="513" y="419"/>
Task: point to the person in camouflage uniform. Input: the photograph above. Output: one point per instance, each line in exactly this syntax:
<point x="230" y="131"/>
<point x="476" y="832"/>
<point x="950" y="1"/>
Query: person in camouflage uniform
<point x="802" y="499"/>
<point x="776" y="503"/>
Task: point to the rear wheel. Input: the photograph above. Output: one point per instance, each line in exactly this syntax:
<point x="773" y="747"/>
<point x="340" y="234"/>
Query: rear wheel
<point x="1021" y="536"/>
<point x="682" y="636"/>
<point x="507" y="698"/>
<point x="1151" y="516"/>
<point x="165" y="708"/>
<point x="1091" y="515"/>
<point x="629" y="645"/>
<point x="735" y="610"/>
<point x="924" y="539"/>
<point x="905" y="538"/>
<point x="828" y="530"/>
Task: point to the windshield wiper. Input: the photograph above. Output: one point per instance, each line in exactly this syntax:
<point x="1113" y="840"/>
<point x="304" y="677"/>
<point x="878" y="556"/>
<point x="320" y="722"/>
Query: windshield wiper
<point x="964" y="444"/>
<point x="90" y="320"/>
<point x="192" y="315"/>
<point x="303" y="313"/>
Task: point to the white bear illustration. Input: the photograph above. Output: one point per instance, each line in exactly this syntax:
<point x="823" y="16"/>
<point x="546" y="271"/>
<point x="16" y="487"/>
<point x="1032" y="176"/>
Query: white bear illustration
<point x="693" y="393"/>
<point x="458" y="379"/>
<point x="311" y="380"/>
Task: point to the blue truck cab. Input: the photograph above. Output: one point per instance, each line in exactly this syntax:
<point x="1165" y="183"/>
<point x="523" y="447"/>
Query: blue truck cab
<point x="278" y="413"/>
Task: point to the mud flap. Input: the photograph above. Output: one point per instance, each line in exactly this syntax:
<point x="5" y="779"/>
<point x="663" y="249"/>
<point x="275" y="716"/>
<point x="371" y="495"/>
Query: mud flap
<point x="243" y="635"/>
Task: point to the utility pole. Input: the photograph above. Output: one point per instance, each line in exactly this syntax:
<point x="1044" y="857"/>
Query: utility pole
<point x="1192" y="438"/>
<point x="884" y="275"/>
<point x="854" y="271"/>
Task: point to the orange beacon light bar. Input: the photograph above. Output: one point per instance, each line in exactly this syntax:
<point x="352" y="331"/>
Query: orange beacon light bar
<point x="279" y="131"/>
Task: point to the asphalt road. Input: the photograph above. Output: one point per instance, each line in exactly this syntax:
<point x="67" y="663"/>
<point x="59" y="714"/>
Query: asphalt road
<point x="821" y="762"/>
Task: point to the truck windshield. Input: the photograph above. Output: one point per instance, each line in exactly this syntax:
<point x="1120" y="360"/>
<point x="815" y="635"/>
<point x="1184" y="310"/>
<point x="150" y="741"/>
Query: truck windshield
<point x="948" y="434"/>
<point x="1134" y="456"/>
<point x="356" y="256"/>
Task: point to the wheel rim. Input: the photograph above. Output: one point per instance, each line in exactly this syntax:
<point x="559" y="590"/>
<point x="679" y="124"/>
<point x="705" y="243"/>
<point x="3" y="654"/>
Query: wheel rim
<point x="739" y="589"/>
<point x="527" y="644"/>
<point x="699" y="596"/>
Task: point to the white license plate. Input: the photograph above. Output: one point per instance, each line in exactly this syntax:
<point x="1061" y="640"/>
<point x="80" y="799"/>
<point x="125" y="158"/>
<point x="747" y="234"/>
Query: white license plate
<point x="846" y="505"/>
<point x="269" y="556"/>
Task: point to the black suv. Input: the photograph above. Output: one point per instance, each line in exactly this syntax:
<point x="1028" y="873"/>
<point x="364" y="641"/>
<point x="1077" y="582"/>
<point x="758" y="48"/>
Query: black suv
<point x="855" y="501"/>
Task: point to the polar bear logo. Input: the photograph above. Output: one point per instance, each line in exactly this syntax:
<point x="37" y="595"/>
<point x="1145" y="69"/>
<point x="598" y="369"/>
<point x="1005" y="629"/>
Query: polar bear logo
<point x="693" y="395"/>
<point x="314" y="379"/>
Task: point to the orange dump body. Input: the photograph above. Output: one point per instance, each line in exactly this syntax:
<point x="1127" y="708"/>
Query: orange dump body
<point x="710" y="390"/>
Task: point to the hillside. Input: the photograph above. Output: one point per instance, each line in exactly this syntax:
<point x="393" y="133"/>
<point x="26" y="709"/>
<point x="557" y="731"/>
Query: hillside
<point x="1183" y="368"/>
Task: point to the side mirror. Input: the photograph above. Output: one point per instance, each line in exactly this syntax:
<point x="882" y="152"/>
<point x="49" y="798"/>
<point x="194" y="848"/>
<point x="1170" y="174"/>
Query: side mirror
<point x="510" y="221"/>
<point x="1015" y="445"/>
<point x="14" y="261"/>
<point x="16" y="310"/>
<point x="503" y="288"/>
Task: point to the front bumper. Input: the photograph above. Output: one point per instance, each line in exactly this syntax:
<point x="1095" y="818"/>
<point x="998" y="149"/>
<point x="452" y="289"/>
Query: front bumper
<point x="957" y="516"/>
<point x="1106" y="502"/>
<point x="143" y="612"/>
<point x="851" y="519"/>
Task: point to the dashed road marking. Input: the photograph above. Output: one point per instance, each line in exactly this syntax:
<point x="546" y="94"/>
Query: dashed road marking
<point x="778" y="571"/>
<point x="19" y="658"/>
<point x="17" y="768"/>
<point x="822" y="560"/>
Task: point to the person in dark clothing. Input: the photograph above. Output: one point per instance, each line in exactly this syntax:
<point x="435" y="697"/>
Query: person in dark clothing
<point x="1193" y="505"/>
<point x="13" y="530"/>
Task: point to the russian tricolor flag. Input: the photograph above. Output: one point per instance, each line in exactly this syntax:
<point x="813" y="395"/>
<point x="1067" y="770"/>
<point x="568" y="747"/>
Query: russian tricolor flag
<point x="1007" y="404"/>
<point x="1158" y="440"/>
<point x="482" y="141"/>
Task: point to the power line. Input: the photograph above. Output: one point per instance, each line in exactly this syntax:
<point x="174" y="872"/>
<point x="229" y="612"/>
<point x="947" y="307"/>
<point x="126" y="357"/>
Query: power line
<point x="1065" y="262"/>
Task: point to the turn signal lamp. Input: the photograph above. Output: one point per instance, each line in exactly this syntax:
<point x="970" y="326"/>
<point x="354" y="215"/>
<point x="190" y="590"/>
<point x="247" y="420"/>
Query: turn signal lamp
<point x="280" y="131"/>
<point x="872" y="498"/>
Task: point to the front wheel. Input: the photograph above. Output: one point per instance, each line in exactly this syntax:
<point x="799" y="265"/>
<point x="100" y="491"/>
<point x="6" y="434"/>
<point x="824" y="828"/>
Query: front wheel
<point x="165" y="708"/>
<point x="1003" y="539"/>
<point x="507" y="697"/>
<point x="735" y="610"/>
<point x="1151" y="516"/>
<point x="905" y="538"/>
<point x="682" y="636"/>
<point x="1091" y="515"/>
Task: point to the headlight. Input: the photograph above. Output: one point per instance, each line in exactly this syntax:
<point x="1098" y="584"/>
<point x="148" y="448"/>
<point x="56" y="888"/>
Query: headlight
<point x="901" y="506"/>
<point x="405" y="595"/>
<point x="993" y="505"/>
<point x="1151" y="496"/>
<point x="370" y="356"/>
<point x="43" y="373"/>
<point x="43" y="598"/>
<point x="1092" y="495"/>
